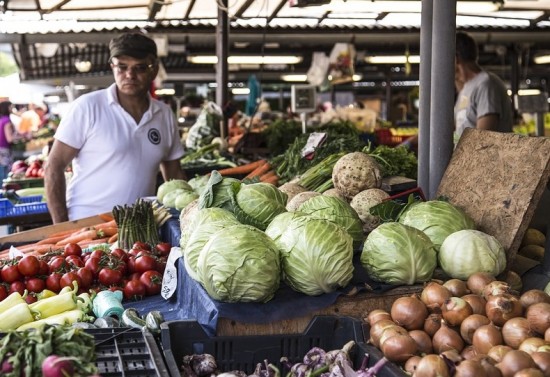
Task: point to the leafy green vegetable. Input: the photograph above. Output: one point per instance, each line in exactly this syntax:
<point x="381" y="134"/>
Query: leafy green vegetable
<point x="258" y="203"/>
<point x="171" y="185"/>
<point x="219" y="192"/>
<point x="391" y="210"/>
<point x="280" y="134"/>
<point x="395" y="160"/>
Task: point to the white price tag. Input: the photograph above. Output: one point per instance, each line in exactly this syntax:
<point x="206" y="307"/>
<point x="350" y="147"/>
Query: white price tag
<point x="314" y="140"/>
<point x="170" y="277"/>
<point x="15" y="252"/>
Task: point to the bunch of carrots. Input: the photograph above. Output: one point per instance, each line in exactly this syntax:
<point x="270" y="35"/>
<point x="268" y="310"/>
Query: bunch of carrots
<point x="260" y="170"/>
<point x="105" y="232"/>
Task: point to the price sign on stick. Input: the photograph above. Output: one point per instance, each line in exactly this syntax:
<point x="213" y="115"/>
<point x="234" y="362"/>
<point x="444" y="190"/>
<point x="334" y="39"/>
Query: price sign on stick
<point x="170" y="277"/>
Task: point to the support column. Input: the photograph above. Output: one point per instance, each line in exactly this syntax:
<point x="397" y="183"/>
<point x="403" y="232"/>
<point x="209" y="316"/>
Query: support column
<point x="222" y="52"/>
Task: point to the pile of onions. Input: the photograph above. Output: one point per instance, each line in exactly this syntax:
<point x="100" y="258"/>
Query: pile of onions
<point x="478" y="327"/>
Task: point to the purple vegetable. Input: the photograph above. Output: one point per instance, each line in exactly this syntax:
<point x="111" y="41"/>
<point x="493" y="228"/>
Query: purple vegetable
<point x="7" y="366"/>
<point x="56" y="366"/>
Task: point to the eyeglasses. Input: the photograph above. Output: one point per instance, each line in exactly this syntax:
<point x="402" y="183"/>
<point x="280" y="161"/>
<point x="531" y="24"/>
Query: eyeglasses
<point x="138" y="68"/>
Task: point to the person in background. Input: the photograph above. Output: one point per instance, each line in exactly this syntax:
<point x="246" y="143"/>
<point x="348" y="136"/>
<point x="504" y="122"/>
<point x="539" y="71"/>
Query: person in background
<point x="8" y="135"/>
<point x="483" y="101"/>
<point x="116" y="139"/>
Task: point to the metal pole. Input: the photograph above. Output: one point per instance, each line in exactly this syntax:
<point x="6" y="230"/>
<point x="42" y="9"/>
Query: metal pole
<point x="425" y="95"/>
<point x="442" y="90"/>
<point x="222" y="52"/>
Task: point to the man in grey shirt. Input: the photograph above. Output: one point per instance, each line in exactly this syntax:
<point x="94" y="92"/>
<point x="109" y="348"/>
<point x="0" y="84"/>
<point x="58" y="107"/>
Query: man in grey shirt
<point x="483" y="101"/>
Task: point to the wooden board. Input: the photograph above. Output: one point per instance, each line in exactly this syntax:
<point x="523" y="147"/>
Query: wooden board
<point x="498" y="179"/>
<point x="357" y="306"/>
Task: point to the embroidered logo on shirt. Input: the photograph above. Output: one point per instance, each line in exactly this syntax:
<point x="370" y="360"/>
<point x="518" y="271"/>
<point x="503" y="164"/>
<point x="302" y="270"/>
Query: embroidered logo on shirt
<point x="154" y="136"/>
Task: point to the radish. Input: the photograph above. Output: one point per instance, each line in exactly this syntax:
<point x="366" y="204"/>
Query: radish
<point x="6" y="367"/>
<point x="57" y="366"/>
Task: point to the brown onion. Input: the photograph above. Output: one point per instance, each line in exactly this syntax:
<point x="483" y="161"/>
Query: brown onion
<point x="470" y="368"/>
<point x="514" y="280"/>
<point x="453" y="356"/>
<point x="495" y="288"/>
<point x="547" y="335"/>
<point x="533" y="296"/>
<point x="470" y="325"/>
<point x="392" y="331"/>
<point x="476" y="302"/>
<point x="469" y="352"/>
<point x="529" y="372"/>
<point x="477" y="281"/>
<point x="409" y="312"/>
<point x="486" y="337"/>
<point x="432" y="366"/>
<point x="457" y="287"/>
<point x="399" y="348"/>
<point x="515" y="331"/>
<point x="376" y="315"/>
<point x="423" y="341"/>
<point x="501" y="308"/>
<point x="542" y="359"/>
<point x="447" y="339"/>
<point x="489" y="365"/>
<point x="455" y="310"/>
<point x="434" y="295"/>
<point x="410" y="365"/>
<point x="497" y="352"/>
<point x="532" y="345"/>
<point x="538" y="316"/>
<point x="544" y="348"/>
<point x="377" y="329"/>
<point x="514" y="361"/>
<point x="432" y="323"/>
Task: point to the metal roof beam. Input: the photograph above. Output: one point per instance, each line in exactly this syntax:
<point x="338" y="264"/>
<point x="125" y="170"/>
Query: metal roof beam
<point x="154" y="7"/>
<point x="243" y="8"/>
<point x="276" y="11"/>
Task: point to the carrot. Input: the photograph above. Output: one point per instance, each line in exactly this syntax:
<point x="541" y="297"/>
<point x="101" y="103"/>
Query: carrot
<point x="242" y="169"/>
<point x="107" y="232"/>
<point x="106" y="217"/>
<point x="51" y="240"/>
<point x="64" y="232"/>
<point x="274" y="180"/>
<point x="262" y="169"/>
<point x="90" y="242"/>
<point x="113" y="238"/>
<point x="80" y="236"/>
<point x="269" y="174"/>
<point x="108" y="224"/>
<point x="44" y="248"/>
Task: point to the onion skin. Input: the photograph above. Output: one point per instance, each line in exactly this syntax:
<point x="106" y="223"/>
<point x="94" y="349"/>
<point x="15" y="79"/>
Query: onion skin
<point x="453" y="356"/>
<point x="497" y="352"/>
<point x="538" y="316"/>
<point x="409" y="312"/>
<point x="455" y="310"/>
<point x="468" y="353"/>
<point x="542" y="359"/>
<point x="447" y="339"/>
<point x="457" y="287"/>
<point x="411" y="364"/>
<point x="432" y="323"/>
<point x="377" y="329"/>
<point x="547" y="335"/>
<point x="501" y="308"/>
<point x="434" y="296"/>
<point x="529" y="372"/>
<point x="477" y="281"/>
<point x="515" y="331"/>
<point x="486" y="337"/>
<point x="489" y="365"/>
<point x="532" y="345"/>
<point x="470" y="368"/>
<point x="376" y="315"/>
<point x="476" y="302"/>
<point x="423" y="341"/>
<point x="496" y="288"/>
<point x="533" y="296"/>
<point x="514" y="280"/>
<point x="470" y="325"/>
<point x="399" y="348"/>
<point x="392" y="331"/>
<point x="432" y="366"/>
<point x="514" y="361"/>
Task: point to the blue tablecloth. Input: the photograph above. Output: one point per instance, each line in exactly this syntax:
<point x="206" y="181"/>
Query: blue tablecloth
<point x="191" y="301"/>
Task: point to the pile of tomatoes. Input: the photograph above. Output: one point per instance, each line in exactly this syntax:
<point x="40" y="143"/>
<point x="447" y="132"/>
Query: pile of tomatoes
<point x="136" y="272"/>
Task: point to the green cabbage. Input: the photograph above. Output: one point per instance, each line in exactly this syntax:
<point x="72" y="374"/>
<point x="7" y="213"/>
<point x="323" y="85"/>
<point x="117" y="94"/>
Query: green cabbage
<point x="436" y="218"/>
<point x="468" y="251"/>
<point x="394" y="253"/>
<point x="240" y="263"/>
<point x="169" y="199"/>
<point x="219" y="192"/>
<point x="171" y="185"/>
<point x="336" y="210"/>
<point x="202" y="226"/>
<point x="184" y="198"/>
<point x="258" y="203"/>
<point x="316" y="254"/>
<point x="198" y="183"/>
<point x="280" y="223"/>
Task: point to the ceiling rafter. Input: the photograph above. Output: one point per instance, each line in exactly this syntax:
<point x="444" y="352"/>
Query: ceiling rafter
<point x="276" y="11"/>
<point x="239" y="13"/>
<point x="189" y="9"/>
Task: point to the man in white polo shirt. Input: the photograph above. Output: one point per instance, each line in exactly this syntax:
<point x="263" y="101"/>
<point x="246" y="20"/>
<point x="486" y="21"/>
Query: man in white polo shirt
<point x="116" y="138"/>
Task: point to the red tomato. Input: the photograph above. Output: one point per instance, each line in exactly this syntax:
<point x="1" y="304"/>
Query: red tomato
<point x="86" y="276"/>
<point x="133" y="252"/>
<point x="97" y="253"/>
<point x="10" y="273"/>
<point x="3" y="292"/>
<point x="44" y="268"/>
<point x="145" y="262"/>
<point x="73" y="260"/>
<point x="94" y="265"/>
<point x="30" y="298"/>
<point x="17" y="286"/>
<point x="109" y="276"/>
<point x="72" y="249"/>
<point x="134" y="289"/>
<point x="131" y="265"/>
<point x="67" y="279"/>
<point x="36" y="285"/>
<point x="58" y="264"/>
<point x="161" y="264"/>
<point x="134" y="275"/>
<point x="120" y="254"/>
<point x="141" y="246"/>
<point x="152" y="280"/>
<point x="29" y="265"/>
<point x="163" y="248"/>
<point x="53" y="282"/>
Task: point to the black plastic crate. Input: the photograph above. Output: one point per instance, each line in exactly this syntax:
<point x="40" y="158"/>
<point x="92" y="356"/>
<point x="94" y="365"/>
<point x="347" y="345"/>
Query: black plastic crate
<point x="125" y="351"/>
<point x="186" y="337"/>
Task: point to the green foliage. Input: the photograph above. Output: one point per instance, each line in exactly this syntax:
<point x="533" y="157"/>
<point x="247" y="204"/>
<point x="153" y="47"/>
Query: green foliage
<point x="7" y="65"/>
<point x="395" y="161"/>
<point x="280" y="134"/>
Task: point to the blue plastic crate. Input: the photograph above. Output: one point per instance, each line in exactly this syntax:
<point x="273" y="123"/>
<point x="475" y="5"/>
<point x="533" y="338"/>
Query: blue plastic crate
<point x="27" y="205"/>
